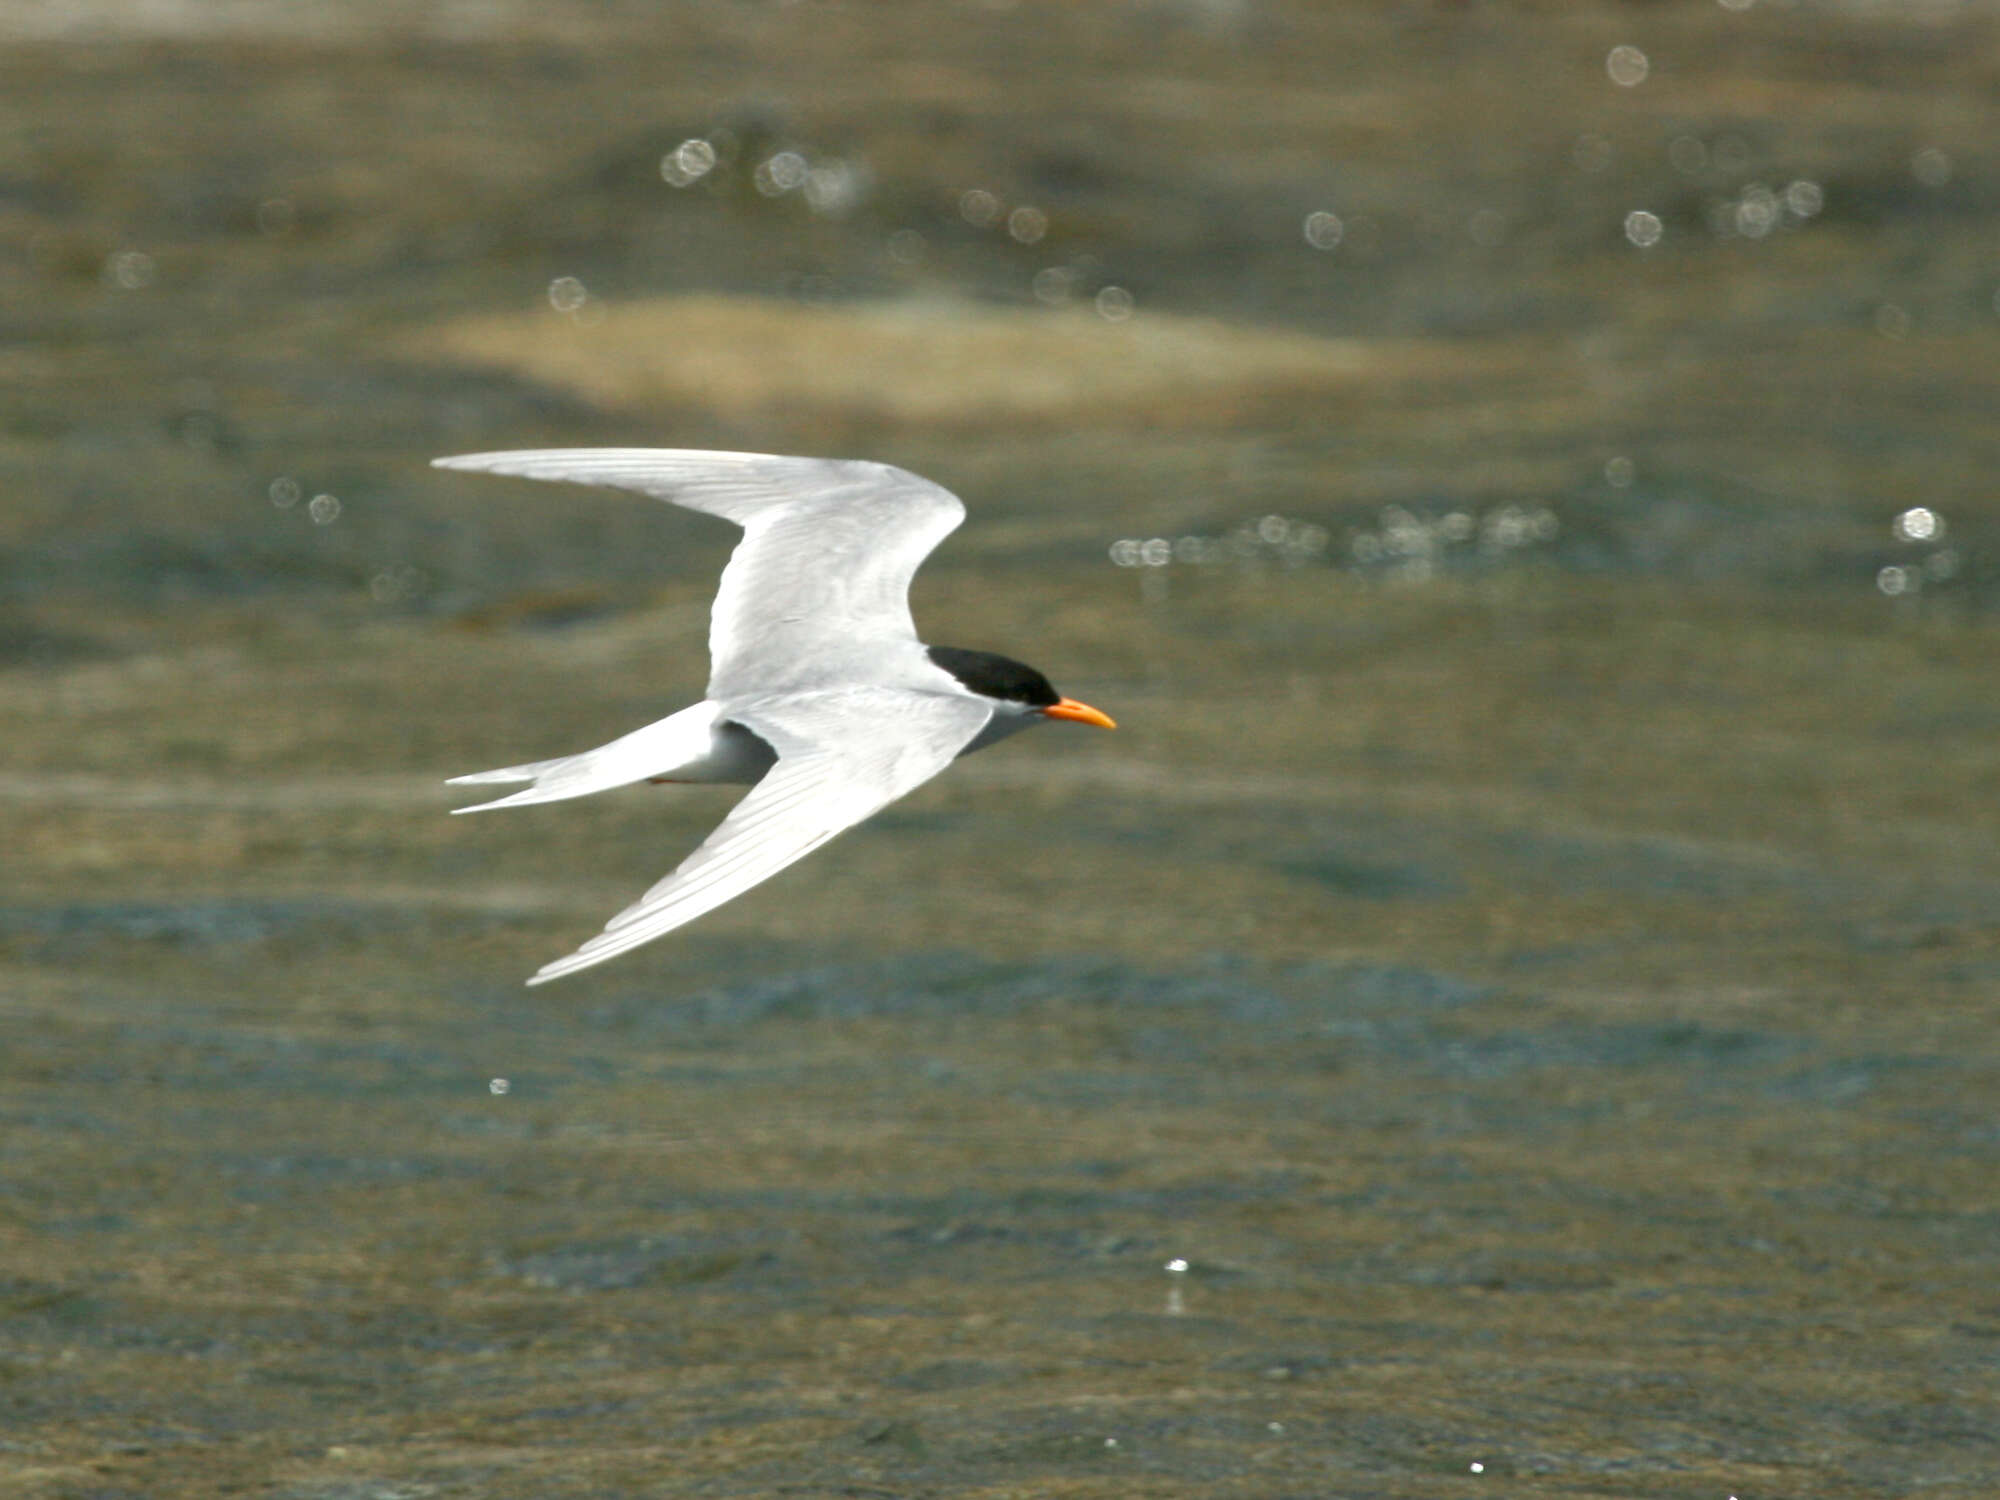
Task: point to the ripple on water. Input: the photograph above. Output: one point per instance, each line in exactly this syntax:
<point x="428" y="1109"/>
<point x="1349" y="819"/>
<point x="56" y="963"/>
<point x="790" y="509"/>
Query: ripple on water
<point x="647" y="1260"/>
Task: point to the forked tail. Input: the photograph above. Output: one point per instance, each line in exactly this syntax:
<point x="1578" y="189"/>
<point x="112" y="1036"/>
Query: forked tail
<point x="659" y="749"/>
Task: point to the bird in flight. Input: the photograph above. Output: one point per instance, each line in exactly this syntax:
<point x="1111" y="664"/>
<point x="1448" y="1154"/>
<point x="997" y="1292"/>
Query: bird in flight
<point x="820" y="696"/>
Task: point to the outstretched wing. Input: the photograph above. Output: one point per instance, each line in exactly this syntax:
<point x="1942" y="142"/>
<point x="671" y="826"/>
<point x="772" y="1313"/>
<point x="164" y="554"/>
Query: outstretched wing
<point x="820" y="583"/>
<point x="842" y="756"/>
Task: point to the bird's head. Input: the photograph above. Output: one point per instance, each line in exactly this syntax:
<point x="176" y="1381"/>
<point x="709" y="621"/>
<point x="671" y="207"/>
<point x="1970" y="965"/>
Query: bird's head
<point x="1017" y="687"/>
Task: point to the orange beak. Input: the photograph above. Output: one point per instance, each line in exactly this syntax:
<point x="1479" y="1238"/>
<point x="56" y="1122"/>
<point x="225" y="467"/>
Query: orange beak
<point x="1083" y="713"/>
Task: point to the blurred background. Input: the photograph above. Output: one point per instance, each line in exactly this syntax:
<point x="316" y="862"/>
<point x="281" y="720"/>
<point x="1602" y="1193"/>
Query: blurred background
<point x="1513" y="1004"/>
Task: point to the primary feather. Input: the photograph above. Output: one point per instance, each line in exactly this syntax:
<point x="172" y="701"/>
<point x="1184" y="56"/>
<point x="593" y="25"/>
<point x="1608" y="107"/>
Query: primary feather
<point x="820" y="584"/>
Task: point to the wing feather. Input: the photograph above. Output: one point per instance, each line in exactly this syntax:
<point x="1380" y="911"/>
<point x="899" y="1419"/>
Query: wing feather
<point x="819" y="586"/>
<point x="842" y="757"/>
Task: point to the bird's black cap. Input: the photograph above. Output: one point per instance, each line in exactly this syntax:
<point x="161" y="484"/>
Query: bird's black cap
<point x="996" y="676"/>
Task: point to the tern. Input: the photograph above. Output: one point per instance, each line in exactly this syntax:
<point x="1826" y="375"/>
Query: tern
<point x="820" y="696"/>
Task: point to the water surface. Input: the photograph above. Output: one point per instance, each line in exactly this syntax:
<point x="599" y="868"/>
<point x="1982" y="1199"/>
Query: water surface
<point x="1514" y="1004"/>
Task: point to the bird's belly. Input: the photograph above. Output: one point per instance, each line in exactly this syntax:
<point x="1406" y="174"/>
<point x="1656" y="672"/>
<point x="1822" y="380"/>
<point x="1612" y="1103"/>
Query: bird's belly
<point x="733" y="754"/>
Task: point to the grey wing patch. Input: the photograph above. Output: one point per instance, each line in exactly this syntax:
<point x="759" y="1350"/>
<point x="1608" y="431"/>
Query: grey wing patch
<point x="819" y="591"/>
<point x="821" y="579"/>
<point x="842" y="757"/>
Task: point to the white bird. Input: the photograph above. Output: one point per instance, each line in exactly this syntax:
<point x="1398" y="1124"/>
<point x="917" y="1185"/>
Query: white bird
<point x="819" y="693"/>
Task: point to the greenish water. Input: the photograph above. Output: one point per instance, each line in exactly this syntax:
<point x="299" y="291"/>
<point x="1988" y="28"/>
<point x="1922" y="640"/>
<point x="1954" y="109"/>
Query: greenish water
<point x="1514" y="1004"/>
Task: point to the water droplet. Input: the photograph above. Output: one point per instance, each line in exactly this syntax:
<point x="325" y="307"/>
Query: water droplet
<point x="1324" y="230"/>
<point x="979" y="208"/>
<point x="1177" y="1267"/>
<point x="394" y="585"/>
<point x="1804" y="199"/>
<point x="1478" y="1468"/>
<point x="1510" y="527"/>
<point x="782" y="173"/>
<point x="1052" y="284"/>
<point x="567" y="294"/>
<point x="498" y="1086"/>
<point x="1918" y="524"/>
<point x="688" y="163"/>
<point x="1275" y="1428"/>
<point x="1756" y="212"/>
<point x="833" y="188"/>
<point x="1113" y="303"/>
<point x="1628" y="66"/>
<point x="1893" y="580"/>
<point x="1643" y="228"/>
<point x="1931" y="166"/>
<point x="285" y="492"/>
<point x="129" y="270"/>
<point x="1619" y="472"/>
<point x="324" y="509"/>
<point x="1027" y="225"/>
